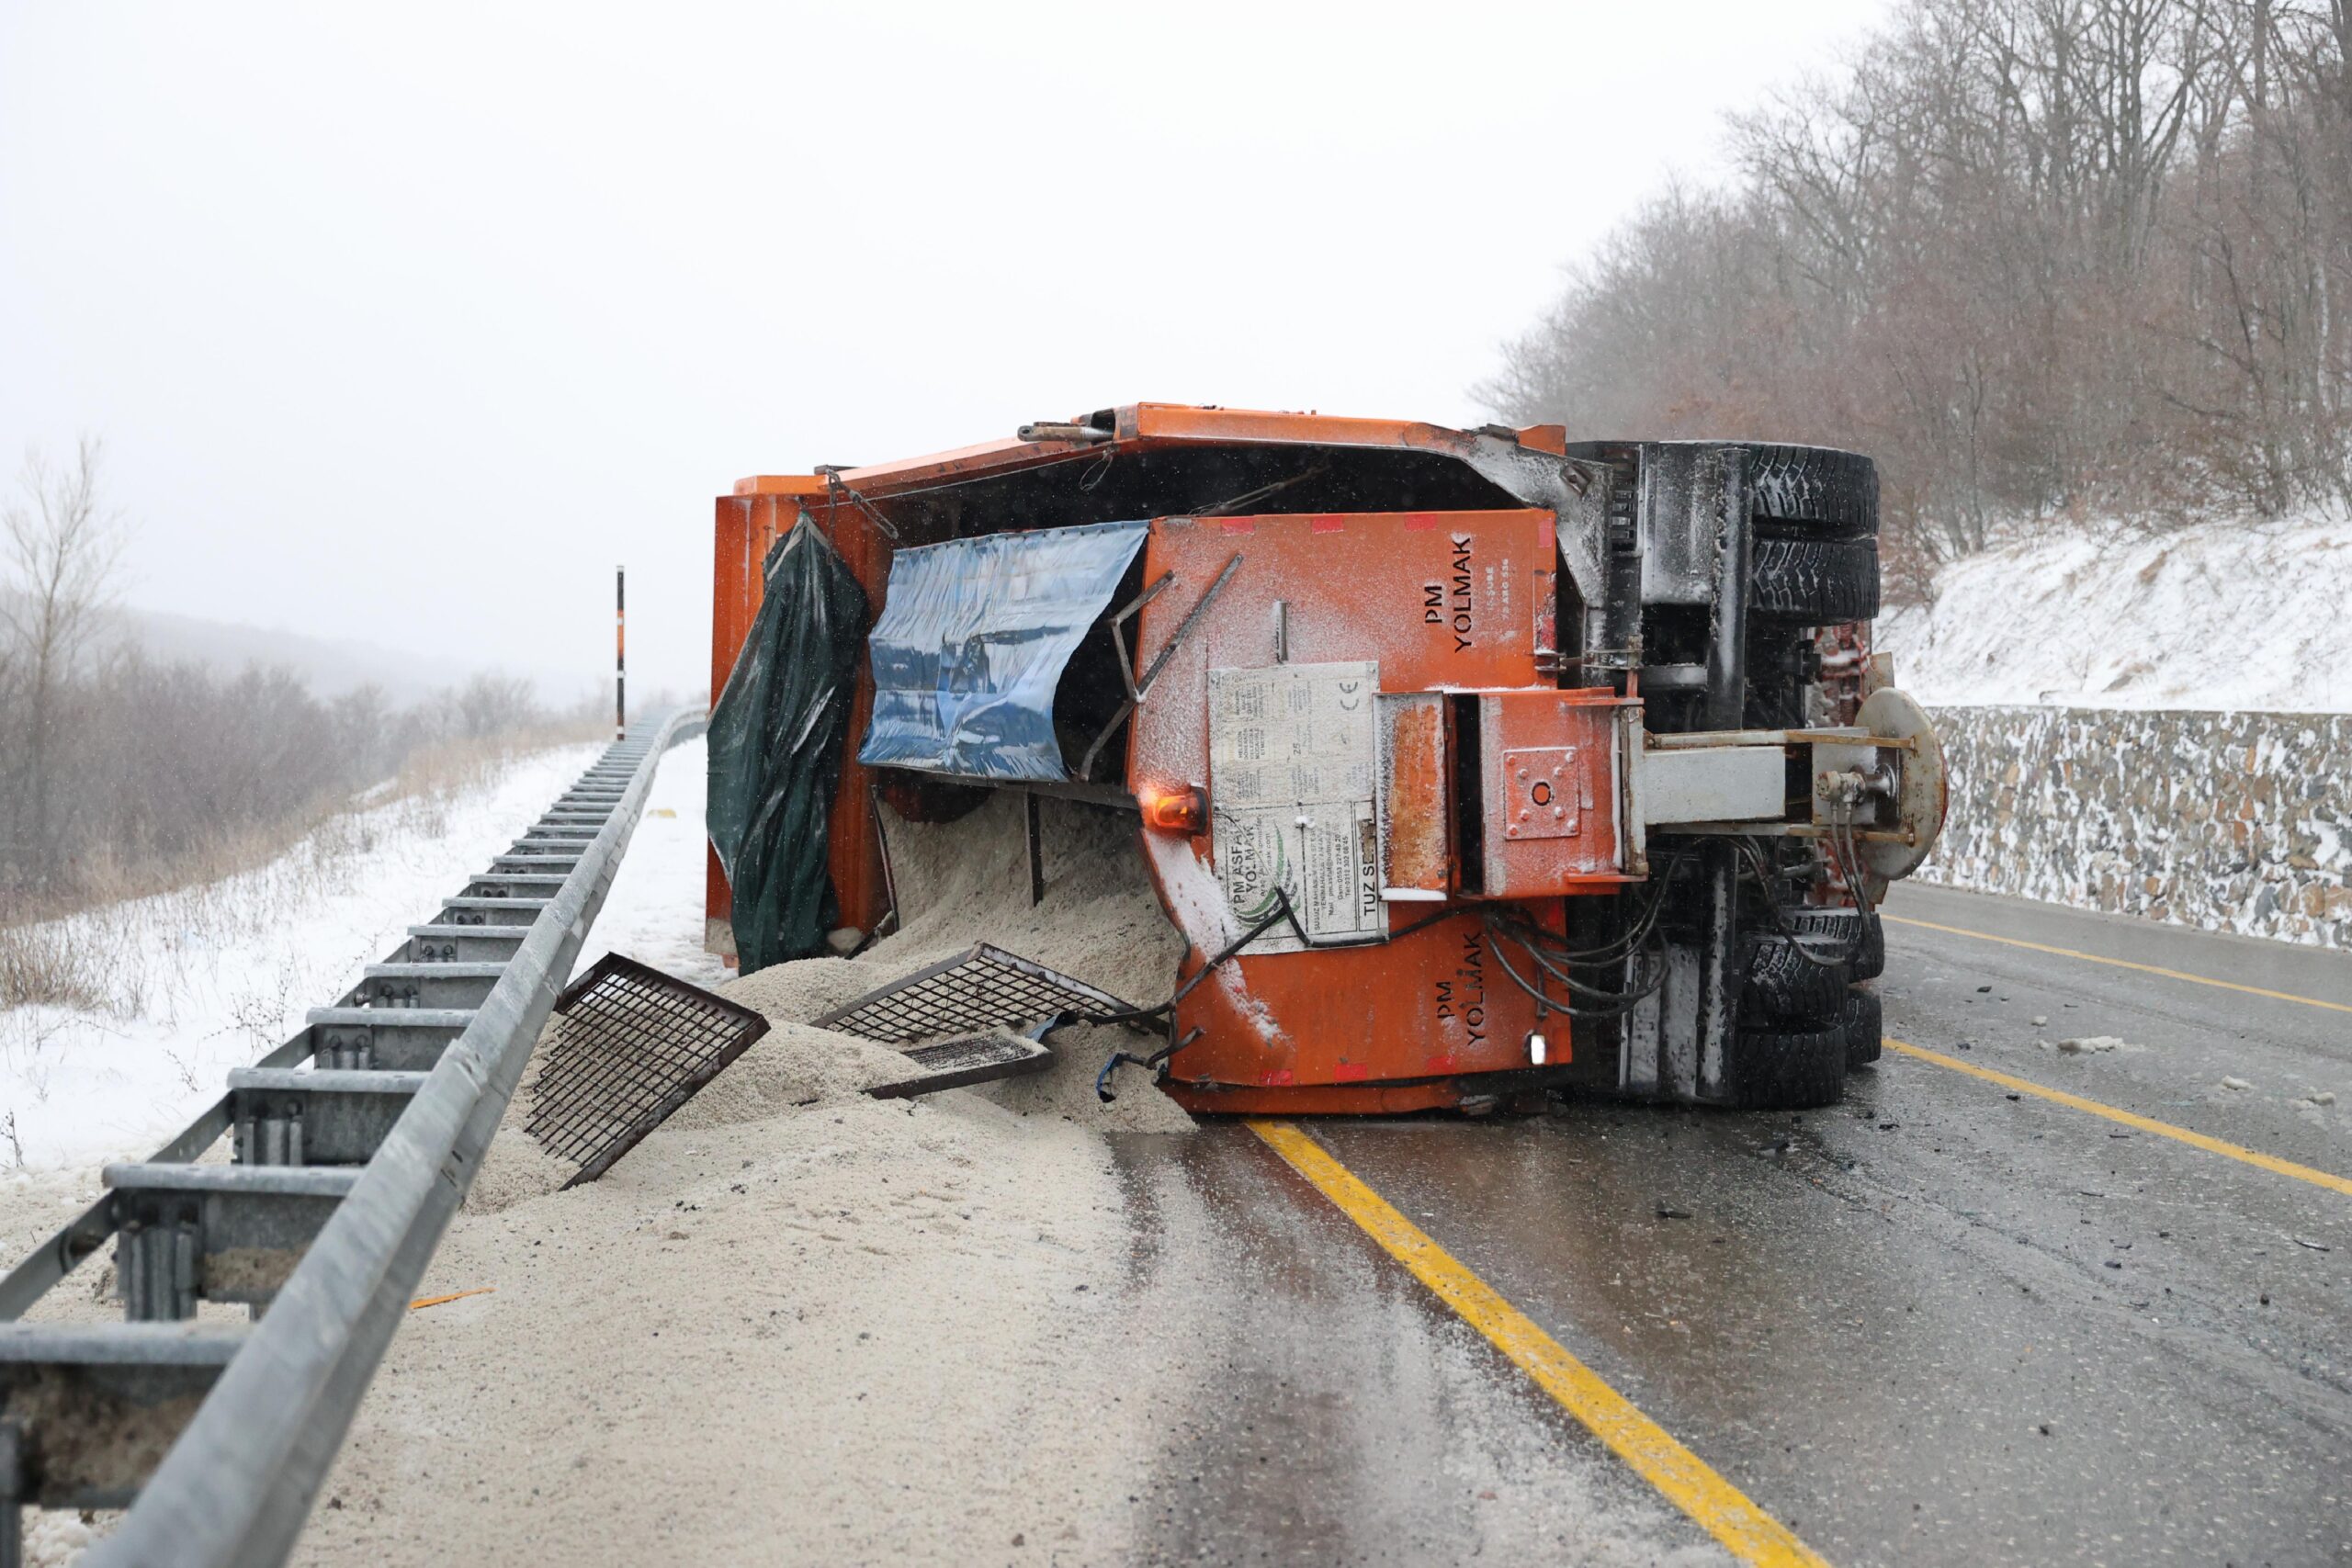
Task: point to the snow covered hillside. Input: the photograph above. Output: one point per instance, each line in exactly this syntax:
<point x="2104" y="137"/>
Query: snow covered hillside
<point x="2243" y="616"/>
<point x="208" y="979"/>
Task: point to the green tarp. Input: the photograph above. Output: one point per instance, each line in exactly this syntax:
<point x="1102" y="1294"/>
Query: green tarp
<point x="777" y="735"/>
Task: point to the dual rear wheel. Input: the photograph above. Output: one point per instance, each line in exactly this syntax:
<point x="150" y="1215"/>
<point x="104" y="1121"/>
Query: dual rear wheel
<point x="1806" y="1014"/>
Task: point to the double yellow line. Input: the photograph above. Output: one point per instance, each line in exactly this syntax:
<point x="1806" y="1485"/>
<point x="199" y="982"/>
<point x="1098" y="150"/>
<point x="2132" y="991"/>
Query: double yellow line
<point x="1723" y="1511"/>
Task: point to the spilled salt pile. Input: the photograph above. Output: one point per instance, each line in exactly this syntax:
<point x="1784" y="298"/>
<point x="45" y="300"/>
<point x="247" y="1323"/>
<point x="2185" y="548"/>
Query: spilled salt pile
<point x="958" y="883"/>
<point x="924" y="1282"/>
<point x="968" y="881"/>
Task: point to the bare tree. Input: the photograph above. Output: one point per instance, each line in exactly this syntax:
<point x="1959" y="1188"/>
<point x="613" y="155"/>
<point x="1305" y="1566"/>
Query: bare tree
<point x="62" y="550"/>
<point x="2043" y="258"/>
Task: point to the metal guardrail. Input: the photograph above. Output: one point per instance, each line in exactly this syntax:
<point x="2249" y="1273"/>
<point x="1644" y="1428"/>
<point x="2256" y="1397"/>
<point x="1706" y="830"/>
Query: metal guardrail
<point x="346" y="1176"/>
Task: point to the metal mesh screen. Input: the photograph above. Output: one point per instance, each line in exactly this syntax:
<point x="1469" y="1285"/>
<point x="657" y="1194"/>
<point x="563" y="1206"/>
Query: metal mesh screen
<point x="631" y="1046"/>
<point x="977" y="1059"/>
<point x="983" y="990"/>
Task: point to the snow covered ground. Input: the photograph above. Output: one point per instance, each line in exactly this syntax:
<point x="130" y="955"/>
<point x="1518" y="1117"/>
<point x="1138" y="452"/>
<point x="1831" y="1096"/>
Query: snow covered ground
<point x="2242" y="615"/>
<point x="653" y="913"/>
<point x="208" y="979"/>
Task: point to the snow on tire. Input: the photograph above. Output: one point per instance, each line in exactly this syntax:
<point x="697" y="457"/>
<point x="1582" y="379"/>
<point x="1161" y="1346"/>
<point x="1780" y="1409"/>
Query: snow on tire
<point x="1815" y="582"/>
<point x="1863" y="935"/>
<point x="1834" y="493"/>
<point x="1785" y="985"/>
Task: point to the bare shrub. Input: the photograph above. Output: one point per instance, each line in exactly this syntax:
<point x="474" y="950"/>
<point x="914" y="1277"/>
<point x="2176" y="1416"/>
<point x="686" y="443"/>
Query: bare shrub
<point x="40" y="966"/>
<point x="172" y="776"/>
<point x="123" y="777"/>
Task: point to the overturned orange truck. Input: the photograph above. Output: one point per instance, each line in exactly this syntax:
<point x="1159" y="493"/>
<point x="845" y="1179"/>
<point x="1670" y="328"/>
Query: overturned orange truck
<point x="1470" y="764"/>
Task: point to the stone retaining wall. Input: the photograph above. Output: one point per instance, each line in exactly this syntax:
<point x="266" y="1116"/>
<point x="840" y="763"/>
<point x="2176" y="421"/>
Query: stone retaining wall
<point x="2231" y="821"/>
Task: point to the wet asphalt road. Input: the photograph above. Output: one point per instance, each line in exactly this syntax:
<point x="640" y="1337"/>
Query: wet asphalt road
<point x="1935" y="1325"/>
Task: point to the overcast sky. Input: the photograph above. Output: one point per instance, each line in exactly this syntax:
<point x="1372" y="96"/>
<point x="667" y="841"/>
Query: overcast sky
<point x="407" y="322"/>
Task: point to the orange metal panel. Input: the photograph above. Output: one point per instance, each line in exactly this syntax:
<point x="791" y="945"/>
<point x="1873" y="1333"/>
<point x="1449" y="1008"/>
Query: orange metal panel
<point x="781" y="484"/>
<point x="1547" y="771"/>
<point x="1142" y="426"/>
<point x="1325" y="1100"/>
<point x="1443" y="600"/>
<point x="749" y="523"/>
<point x="1178" y="421"/>
<point x="855" y="840"/>
<point x="1416" y="827"/>
<point x="1429" y="1004"/>
<point x="938" y="467"/>
<point x="1440" y="600"/>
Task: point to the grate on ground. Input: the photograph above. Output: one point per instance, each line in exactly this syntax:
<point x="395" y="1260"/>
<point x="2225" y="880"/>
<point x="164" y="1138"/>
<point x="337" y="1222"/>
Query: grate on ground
<point x="977" y="991"/>
<point x="631" y="1046"/>
<point x="974" y="1058"/>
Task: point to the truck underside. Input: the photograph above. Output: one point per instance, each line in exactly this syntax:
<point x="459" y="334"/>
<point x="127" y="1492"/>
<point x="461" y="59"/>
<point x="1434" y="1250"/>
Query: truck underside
<point x="1469" y="763"/>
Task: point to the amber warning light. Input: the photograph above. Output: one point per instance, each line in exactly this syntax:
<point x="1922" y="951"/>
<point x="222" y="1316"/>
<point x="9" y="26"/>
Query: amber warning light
<point x="1183" y="809"/>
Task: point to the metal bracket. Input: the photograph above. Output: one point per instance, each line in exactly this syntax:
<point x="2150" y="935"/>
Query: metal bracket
<point x="1141" y="689"/>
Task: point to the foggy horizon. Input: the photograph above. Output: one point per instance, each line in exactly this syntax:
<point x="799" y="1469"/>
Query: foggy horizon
<point x="354" y="303"/>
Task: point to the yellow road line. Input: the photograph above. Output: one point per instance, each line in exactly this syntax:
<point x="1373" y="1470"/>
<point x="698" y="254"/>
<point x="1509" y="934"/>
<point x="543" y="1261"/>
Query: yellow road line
<point x="2121" y="964"/>
<point x="1719" y="1507"/>
<point x="2129" y="1118"/>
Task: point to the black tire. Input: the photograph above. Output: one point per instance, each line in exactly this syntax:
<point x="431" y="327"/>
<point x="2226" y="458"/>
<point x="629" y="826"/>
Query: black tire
<point x="1786" y="988"/>
<point x="1843" y="927"/>
<point x="1865" y="1027"/>
<point x="1815" y="582"/>
<point x="1834" y="494"/>
<point x="1787" y="1070"/>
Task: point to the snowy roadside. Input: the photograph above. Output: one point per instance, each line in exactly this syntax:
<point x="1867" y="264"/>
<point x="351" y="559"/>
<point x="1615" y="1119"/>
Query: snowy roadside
<point x="208" y="979"/>
<point x="2220" y="615"/>
<point x="654" y="912"/>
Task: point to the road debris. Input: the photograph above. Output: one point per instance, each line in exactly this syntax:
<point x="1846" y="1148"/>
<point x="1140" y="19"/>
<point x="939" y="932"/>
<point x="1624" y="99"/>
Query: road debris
<point x="626" y="1047"/>
<point x="422" y="1301"/>
<point x="2087" y="1044"/>
<point x="2239" y="1084"/>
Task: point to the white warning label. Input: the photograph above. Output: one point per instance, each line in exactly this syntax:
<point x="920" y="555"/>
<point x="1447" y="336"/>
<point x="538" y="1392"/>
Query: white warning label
<point x="1293" y="750"/>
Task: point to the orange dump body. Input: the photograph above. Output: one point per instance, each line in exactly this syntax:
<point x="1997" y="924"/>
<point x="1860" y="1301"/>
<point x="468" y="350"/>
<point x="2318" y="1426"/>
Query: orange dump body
<point x="1371" y="702"/>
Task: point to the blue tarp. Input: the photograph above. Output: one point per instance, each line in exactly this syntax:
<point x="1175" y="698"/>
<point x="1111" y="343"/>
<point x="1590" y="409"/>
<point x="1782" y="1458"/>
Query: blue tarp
<point x="972" y="642"/>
